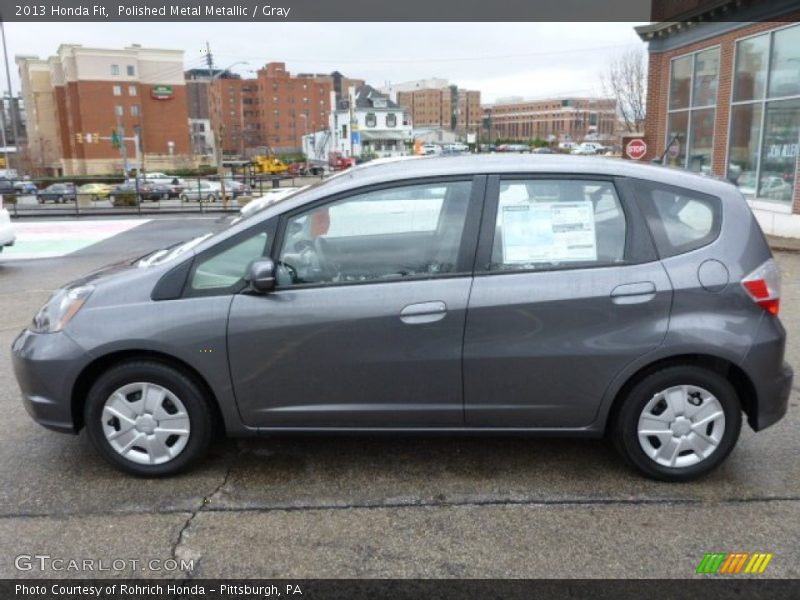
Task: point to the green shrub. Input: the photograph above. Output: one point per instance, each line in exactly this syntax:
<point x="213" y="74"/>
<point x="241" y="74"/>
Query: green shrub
<point x="9" y="198"/>
<point x="125" y="200"/>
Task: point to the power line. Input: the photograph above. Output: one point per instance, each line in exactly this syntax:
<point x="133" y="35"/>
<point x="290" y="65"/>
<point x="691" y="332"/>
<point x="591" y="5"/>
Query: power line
<point x="547" y="53"/>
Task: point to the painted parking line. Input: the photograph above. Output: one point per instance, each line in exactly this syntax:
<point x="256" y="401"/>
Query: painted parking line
<point x="51" y="239"/>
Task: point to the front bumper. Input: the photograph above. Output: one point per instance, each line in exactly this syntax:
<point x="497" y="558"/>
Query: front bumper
<point x="46" y="367"/>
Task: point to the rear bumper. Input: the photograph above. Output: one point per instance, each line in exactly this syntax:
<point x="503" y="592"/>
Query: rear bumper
<point x="771" y="376"/>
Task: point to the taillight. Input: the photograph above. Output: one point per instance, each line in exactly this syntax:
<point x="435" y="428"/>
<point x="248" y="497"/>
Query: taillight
<point x="764" y="286"/>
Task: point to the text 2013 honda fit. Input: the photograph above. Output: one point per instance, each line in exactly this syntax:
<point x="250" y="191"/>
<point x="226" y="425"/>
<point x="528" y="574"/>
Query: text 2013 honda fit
<point x="495" y="294"/>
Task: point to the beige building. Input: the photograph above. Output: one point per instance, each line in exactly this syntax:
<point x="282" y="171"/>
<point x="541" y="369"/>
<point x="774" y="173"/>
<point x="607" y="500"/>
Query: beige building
<point x="79" y="97"/>
<point x="42" y="152"/>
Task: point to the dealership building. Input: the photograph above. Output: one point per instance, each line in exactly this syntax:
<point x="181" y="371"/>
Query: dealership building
<point x="723" y="98"/>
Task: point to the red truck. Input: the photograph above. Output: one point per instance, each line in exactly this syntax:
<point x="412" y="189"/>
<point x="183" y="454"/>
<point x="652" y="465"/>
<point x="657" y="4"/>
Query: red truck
<point x="337" y="162"/>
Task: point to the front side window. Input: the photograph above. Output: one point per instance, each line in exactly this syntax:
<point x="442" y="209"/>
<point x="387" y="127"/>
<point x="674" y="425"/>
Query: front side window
<point x="765" y="116"/>
<point x="383" y="235"/>
<point x="553" y="223"/>
<point x="226" y="269"/>
<point x="693" y="96"/>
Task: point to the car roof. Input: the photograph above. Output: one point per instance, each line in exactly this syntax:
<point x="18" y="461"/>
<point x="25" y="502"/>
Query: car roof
<point x="523" y="164"/>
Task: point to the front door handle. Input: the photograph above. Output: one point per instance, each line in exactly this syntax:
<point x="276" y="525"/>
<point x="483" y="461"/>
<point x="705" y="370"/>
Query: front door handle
<point x="633" y="293"/>
<point x="423" y="312"/>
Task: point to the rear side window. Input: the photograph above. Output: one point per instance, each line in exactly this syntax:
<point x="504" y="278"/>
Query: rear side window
<point x="681" y="220"/>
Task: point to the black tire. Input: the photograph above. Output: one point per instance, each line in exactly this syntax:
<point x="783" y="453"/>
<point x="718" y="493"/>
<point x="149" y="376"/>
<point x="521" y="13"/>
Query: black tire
<point x="212" y="198"/>
<point x="625" y="426"/>
<point x="184" y="387"/>
<point x="184" y="198"/>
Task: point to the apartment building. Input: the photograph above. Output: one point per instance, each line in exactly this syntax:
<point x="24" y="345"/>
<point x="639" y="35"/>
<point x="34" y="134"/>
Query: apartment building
<point x="723" y="98"/>
<point x="558" y="119"/>
<point x="275" y="109"/>
<point x="447" y="107"/>
<point x="76" y="99"/>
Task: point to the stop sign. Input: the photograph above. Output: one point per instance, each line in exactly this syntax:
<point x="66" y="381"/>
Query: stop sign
<point x="636" y="149"/>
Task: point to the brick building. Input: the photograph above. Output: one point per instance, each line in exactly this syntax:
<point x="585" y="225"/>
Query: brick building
<point x="81" y="94"/>
<point x="724" y="95"/>
<point x="274" y="109"/>
<point x="448" y="107"/>
<point x="559" y="119"/>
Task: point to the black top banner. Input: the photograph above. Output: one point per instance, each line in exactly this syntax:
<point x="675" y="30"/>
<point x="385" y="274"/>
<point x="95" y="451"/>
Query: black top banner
<point x="386" y="10"/>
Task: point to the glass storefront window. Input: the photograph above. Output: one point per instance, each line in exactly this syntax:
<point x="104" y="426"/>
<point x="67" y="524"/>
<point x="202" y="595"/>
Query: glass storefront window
<point x="752" y="57"/>
<point x="784" y="76"/>
<point x="693" y="96"/>
<point x="765" y="119"/>
<point x="678" y="125"/>
<point x="680" y="82"/>
<point x="701" y="140"/>
<point x="743" y="147"/>
<point x="779" y="151"/>
<point x="706" y="76"/>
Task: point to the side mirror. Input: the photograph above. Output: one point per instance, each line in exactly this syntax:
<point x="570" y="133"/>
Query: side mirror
<point x="261" y="275"/>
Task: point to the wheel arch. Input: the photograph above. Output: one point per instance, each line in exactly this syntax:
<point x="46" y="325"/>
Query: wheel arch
<point x="99" y="365"/>
<point x="740" y="380"/>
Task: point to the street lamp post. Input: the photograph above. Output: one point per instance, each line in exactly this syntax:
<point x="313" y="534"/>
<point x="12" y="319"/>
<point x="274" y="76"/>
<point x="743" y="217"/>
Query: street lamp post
<point x="218" y="130"/>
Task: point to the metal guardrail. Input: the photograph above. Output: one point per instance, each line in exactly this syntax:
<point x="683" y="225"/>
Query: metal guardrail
<point x="192" y="198"/>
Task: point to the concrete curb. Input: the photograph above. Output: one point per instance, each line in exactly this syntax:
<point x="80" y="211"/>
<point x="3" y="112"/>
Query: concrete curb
<point x="782" y="244"/>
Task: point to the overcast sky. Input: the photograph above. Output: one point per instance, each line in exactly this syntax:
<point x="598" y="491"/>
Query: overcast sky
<point x="533" y="60"/>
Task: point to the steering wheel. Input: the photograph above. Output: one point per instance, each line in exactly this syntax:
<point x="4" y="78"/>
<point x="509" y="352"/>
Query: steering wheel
<point x="290" y="270"/>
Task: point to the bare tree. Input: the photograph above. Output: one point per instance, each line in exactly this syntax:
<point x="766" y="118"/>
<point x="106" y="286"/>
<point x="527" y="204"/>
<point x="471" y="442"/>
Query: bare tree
<point x="626" y="82"/>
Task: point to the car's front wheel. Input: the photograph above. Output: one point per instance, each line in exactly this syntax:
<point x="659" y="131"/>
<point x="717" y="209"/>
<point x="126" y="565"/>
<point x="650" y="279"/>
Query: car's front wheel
<point x="147" y="418"/>
<point x="678" y="423"/>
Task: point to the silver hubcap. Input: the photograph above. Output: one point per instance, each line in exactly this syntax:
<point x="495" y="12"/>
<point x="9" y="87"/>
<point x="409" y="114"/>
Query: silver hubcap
<point x="681" y="426"/>
<point x="146" y="423"/>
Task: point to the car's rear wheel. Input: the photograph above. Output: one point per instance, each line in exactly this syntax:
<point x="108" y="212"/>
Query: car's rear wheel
<point x="212" y="198"/>
<point x="147" y="418"/>
<point x="678" y="423"/>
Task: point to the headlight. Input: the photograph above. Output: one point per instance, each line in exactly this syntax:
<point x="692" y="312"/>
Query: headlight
<point x="59" y="310"/>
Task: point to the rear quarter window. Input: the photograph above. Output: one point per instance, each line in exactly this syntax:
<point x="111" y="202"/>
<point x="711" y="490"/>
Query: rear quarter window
<point x="681" y="220"/>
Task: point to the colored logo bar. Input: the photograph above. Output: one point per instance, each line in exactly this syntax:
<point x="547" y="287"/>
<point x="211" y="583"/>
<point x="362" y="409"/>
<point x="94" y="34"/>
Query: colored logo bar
<point x="733" y="563"/>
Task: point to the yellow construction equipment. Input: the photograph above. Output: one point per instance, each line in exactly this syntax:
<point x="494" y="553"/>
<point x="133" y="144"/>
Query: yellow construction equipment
<point x="268" y="165"/>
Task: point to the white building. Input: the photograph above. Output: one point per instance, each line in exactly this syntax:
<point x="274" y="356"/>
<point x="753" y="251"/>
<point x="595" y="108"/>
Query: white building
<point x="367" y="124"/>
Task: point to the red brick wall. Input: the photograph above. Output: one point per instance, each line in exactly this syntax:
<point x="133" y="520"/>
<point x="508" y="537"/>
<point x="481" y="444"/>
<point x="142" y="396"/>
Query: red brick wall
<point x="658" y="93"/>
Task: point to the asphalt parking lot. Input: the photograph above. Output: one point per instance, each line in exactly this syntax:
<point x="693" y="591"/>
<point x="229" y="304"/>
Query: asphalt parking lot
<point x="381" y="507"/>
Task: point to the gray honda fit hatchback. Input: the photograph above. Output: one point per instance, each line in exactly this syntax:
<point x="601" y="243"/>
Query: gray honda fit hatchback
<point x="475" y="294"/>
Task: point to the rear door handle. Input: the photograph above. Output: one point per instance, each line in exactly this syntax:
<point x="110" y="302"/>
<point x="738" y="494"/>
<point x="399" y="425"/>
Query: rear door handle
<point x="423" y="312"/>
<point x="633" y="293"/>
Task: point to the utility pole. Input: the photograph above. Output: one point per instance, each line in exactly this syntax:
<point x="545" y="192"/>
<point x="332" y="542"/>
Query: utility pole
<point x="14" y="128"/>
<point x="218" y="129"/>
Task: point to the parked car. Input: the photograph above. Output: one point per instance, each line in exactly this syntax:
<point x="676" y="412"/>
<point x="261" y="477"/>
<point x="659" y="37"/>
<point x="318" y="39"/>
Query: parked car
<point x="588" y="148"/>
<point x="7" y="186"/>
<point x="210" y="191"/>
<point x="7" y="237"/>
<point x="237" y="188"/>
<point x="57" y="192"/>
<point x="473" y="294"/>
<point x="97" y="191"/>
<point x="306" y="168"/>
<point x="23" y="187"/>
<point x="543" y="150"/>
<point x="146" y="190"/>
<point x="428" y="149"/>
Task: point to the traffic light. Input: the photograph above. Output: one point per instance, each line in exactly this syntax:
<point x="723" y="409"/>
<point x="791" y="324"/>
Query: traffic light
<point x="116" y="139"/>
<point x="79" y="138"/>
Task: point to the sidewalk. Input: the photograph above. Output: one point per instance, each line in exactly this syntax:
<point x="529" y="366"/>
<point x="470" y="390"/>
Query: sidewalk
<point x="783" y="244"/>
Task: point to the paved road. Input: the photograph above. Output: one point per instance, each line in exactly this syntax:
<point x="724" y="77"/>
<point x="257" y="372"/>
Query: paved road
<point x="399" y="507"/>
